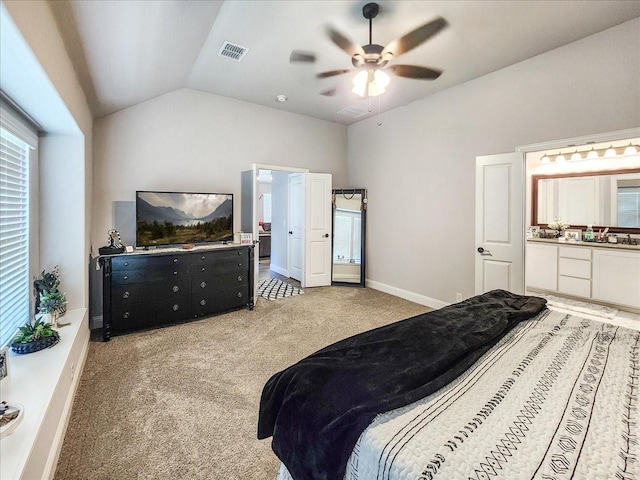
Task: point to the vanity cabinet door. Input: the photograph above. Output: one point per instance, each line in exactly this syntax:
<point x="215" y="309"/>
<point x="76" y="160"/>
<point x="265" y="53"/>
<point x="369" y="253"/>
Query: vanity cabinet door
<point x="542" y="266"/>
<point x="616" y="277"/>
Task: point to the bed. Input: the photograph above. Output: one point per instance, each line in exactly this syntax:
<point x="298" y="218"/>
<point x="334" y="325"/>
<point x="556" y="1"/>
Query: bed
<point x="534" y="394"/>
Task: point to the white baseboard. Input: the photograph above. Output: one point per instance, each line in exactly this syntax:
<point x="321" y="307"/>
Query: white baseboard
<point x="279" y="270"/>
<point x="407" y="295"/>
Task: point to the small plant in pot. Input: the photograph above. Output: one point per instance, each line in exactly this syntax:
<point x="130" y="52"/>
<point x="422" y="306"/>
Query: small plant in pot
<point x="49" y="300"/>
<point x="35" y="335"/>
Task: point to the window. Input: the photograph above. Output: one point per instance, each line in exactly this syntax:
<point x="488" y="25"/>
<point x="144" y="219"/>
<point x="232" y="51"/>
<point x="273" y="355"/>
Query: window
<point x="346" y="240"/>
<point x="16" y="142"/>
<point x="629" y="206"/>
<point x="266" y="207"/>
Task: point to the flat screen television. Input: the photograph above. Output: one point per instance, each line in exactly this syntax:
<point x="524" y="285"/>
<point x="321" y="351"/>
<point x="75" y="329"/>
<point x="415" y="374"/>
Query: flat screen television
<point x="175" y="218"/>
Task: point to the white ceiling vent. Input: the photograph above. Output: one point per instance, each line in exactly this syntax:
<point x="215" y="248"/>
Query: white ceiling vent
<point x="233" y="51"/>
<point x="353" y="111"/>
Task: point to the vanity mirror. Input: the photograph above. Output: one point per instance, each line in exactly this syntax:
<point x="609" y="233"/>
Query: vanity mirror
<point x="348" y="246"/>
<point x="609" y="198"/>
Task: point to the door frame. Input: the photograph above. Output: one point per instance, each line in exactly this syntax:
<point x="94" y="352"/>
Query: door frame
<point x="256" y="167"/>
<point x="611" y="136"/>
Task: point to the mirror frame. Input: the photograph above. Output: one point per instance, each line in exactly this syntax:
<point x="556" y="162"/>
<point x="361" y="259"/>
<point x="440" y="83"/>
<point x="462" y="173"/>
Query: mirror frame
<point x="363" y="230"/>
<point x="534" y="196"/>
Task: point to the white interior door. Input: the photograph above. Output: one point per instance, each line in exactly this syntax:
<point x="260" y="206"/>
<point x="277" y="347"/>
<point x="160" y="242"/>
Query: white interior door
<point x="296" y="225"/>
<point x="499" y="223"/>
<point x="317" y="272"/>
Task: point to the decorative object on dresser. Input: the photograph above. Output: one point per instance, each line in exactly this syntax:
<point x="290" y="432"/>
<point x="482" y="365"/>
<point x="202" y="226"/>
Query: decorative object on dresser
<point x="146" y="290"/>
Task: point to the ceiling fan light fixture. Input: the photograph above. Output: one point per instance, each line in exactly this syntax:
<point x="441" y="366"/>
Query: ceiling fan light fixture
<point x="370" y="83"/>
<point x="360" y="83"/>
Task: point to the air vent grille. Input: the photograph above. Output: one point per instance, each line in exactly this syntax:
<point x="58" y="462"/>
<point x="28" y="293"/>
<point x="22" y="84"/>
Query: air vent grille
<point x="353" y="111"/>
<point x="233" y="51"/>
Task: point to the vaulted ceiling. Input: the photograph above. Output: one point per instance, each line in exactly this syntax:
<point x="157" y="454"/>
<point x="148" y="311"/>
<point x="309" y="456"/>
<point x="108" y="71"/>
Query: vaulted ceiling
<point x="127" y="52"/>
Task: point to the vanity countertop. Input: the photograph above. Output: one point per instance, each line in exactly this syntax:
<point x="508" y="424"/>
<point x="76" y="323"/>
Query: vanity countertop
<point x="557" y="241"/>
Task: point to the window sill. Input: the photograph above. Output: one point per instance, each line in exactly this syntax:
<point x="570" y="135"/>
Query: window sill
<point x="44" y="383"/>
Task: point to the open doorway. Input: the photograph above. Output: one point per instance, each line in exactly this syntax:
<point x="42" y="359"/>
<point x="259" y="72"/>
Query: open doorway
<point x="272" y="210"/>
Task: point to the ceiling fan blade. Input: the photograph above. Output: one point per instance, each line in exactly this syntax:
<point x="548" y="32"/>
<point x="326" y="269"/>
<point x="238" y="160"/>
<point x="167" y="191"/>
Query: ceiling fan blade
<point x="412" y="71"/>
<point x="414" y="38"/>
<point x="343" y="42"/>
<point x="333" y="73"/>
<point x="301" y="56"/>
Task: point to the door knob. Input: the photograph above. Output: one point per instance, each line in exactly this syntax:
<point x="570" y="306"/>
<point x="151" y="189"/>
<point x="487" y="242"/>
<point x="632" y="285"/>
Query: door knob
<point x="326" y="235"/>
<point x="290" y="232"/>
<point x="484" y="252"/>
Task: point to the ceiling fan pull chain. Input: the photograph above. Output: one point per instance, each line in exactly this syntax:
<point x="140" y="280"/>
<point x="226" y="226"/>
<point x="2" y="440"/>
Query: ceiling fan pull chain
<point x="370" y="107"/>
<point x="379" y="114"/>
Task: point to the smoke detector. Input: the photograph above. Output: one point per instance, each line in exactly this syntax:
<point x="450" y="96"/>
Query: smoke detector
<point x="281" y="98"/>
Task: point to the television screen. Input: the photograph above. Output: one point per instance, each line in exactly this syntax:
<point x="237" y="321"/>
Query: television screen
<point x="173" y="218"/>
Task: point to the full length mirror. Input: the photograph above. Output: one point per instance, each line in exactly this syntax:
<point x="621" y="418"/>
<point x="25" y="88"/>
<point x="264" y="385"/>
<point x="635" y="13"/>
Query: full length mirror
<point x="349" y="223"/>
<point x="602" y="199"/>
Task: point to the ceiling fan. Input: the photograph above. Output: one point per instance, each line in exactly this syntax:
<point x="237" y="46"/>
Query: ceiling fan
<point x="370" y="60"/>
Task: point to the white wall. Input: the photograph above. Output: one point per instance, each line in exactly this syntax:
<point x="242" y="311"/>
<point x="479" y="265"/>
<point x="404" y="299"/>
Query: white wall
<point x="193" y="141"/>
<point x="419" y="167"/>
<point x="43" y="82"/>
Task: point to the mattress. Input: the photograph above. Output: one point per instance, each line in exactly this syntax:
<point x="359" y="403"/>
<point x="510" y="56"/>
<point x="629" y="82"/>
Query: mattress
<point x="556" y="398"/>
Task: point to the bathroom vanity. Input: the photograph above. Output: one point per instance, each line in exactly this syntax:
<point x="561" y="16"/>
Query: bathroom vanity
<point x="603" y="272"/>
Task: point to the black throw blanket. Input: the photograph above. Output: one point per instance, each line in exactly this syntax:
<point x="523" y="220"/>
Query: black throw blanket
<point x="317" y="408"/>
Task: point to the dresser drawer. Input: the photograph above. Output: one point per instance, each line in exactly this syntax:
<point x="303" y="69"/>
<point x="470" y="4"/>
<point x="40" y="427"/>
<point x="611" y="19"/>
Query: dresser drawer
<point x="579" y="287"/>
<point x="215" y="257"/>
<point x="203" y="285"/>
<point x="145" y="262"/>
<point x="233" y="265"/>
<point x="572" y="267"/>
<point x="148" y="276"/>
<point x="132" y="317"/>
<point x="219" y="300"/>
<point x="574" y="252"/>
<point x="128" y="294"/>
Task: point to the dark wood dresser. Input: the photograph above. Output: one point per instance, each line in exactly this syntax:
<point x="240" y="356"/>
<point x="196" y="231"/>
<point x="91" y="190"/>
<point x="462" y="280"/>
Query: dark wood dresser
<point x="146" y="290"/>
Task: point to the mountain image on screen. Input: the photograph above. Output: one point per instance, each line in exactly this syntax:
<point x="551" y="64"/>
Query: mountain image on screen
<point x="166" y="224"/>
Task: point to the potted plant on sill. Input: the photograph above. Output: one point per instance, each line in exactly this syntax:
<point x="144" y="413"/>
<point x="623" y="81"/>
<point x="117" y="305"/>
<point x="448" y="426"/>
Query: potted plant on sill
<point x="35" y="335"/>
<point x="50" y="301"/>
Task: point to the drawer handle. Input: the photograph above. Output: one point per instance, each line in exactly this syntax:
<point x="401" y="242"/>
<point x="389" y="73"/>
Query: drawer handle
<point x="125" y="295"/>
<point x="239" y="294"/>
<point x="202" y="257"/>
<point x="239" y="253"/>
<point x="239" y="278"/>
<point x="203" y="284"/>
<point x="126" y="277"/>
<point x="126" y="315"/>
<point x="175" y="260"/>
<point x="175" y="288"/>
<point x="203" y="269"/>
<point x="176" y="307"/>
<point x="203" y="302"/>
<point x="126" y="264"/>
<point x="175" y="273"/>
<point x="239" y="264"/>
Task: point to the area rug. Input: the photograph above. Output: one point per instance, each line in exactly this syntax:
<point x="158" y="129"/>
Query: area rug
<point x="273" y="289"/>
<point x="578" y="306"/>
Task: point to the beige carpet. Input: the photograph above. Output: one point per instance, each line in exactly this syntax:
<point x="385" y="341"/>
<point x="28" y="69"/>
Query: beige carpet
<point x="181" y="402"/>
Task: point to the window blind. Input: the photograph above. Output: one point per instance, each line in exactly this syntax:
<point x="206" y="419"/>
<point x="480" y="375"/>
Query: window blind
<point x="15" y="144"/>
